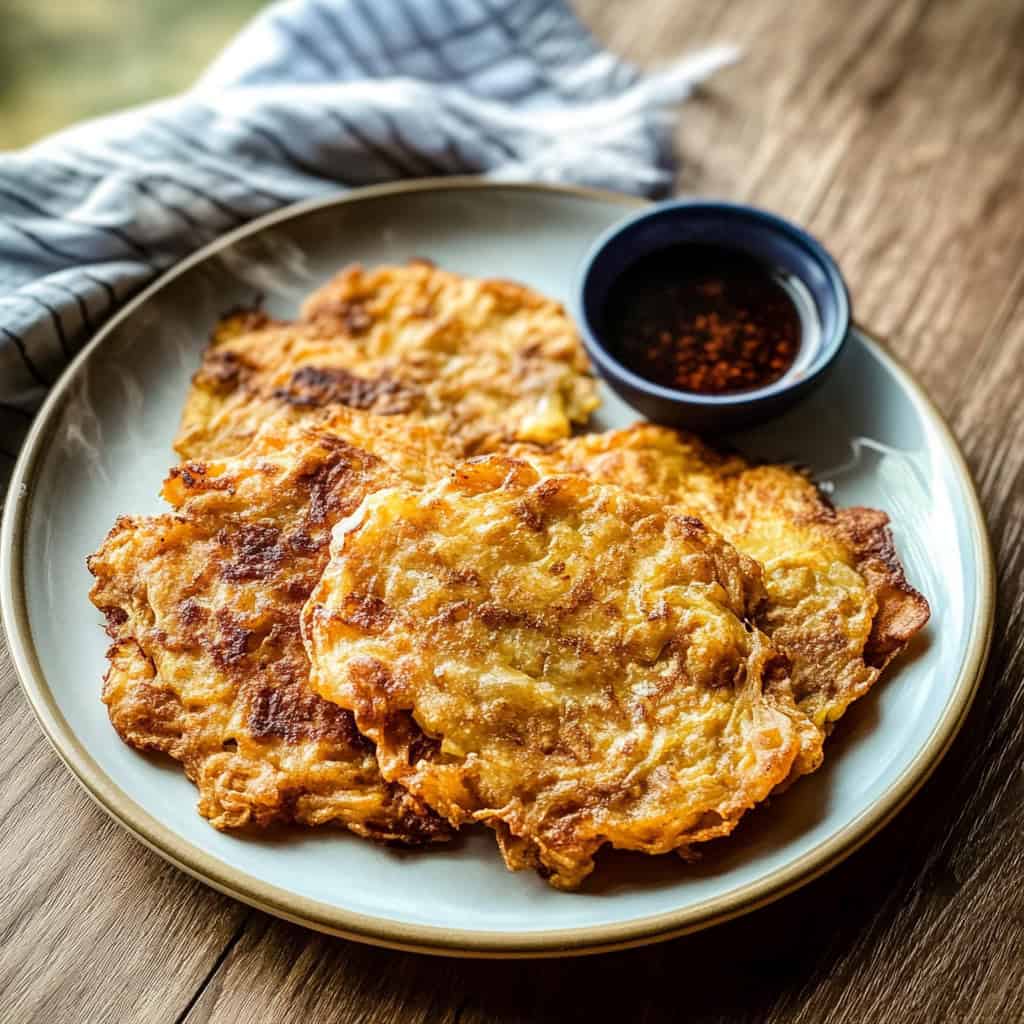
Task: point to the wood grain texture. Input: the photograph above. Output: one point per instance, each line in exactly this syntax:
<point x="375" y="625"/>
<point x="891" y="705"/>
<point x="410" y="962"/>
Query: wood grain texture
<point x="893" y="130"/>
<point x="93" y="927"/>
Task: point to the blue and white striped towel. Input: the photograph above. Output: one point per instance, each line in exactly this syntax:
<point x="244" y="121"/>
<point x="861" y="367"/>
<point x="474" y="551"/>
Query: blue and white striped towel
<point x="313" y="96"/>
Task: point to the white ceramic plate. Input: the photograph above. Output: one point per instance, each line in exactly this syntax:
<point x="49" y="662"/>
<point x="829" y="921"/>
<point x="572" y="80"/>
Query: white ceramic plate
<point x="100" y="447"/>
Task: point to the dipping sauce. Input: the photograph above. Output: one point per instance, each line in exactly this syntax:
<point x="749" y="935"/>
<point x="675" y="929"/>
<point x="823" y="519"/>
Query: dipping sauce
<point x="703" y="318"/>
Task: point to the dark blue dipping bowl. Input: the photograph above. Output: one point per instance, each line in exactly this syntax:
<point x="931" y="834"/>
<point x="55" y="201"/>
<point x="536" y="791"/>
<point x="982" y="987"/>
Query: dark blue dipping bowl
<point x="811" y="275"/>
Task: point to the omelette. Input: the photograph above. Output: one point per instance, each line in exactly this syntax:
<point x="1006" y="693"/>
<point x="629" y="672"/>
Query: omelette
<point x="568" y="662"/>
<point x="837" y="603"/>
<point x="480" y="361"/>
<point x="203" y="604"/>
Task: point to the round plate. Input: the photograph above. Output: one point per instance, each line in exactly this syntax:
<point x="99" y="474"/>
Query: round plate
<point x="101" y="446"/>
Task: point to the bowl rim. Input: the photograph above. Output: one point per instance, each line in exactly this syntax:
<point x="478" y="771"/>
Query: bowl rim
<point x="615" y="370"/>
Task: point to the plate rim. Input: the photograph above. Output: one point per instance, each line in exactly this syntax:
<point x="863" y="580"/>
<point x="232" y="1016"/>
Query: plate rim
<point x="382" y="931"/>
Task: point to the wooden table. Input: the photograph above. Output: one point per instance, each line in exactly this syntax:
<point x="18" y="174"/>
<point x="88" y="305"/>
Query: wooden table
<point x="894" y="130"/>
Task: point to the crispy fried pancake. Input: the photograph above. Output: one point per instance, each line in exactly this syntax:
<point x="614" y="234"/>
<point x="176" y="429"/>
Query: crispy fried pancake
<point x="233" y="485"/>
<point x="566" y="661"/>
<point x="207" y="663"/>
<point x="482" y="361"/>
<point x="838" y="602"/>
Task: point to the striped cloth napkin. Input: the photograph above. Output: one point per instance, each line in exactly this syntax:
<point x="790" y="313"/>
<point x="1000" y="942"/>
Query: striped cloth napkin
<point x="313" y="96"/>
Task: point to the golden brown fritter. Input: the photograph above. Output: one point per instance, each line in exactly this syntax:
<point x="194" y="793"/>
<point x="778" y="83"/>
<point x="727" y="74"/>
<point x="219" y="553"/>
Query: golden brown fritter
<point x="838" y="602"/>
<point x="482" y="361"/>
<point x="234" y="485"/>
<point x="207" y="663"/>
<point x="566" y="661"/>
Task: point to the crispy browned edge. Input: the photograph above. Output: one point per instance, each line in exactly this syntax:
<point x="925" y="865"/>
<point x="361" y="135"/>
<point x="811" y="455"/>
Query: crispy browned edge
<point x="902" y="609"/>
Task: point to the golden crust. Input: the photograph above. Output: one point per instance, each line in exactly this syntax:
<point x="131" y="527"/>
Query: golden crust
<point x="838" y="602"/>
<point x="573" y="663"/>
<point x="481" y="361"/>
<point x="207" y="663"/>
<point x="566" y="661"/>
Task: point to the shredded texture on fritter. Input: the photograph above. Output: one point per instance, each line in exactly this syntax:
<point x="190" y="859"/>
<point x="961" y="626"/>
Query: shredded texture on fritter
<point x="481" y="361"/>
<point x="620" y="639"/>
<point x="838" y="603"/>
<point x="207" y="663"/>
<point x="569" y="662"/>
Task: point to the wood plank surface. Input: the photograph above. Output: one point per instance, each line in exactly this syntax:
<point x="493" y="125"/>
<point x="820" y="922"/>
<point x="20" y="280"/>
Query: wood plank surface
<point x="93" y="927"/>
<point x="892" y="129"/>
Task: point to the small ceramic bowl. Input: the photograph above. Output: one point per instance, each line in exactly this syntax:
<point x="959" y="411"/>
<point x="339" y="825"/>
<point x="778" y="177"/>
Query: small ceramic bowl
<point x="811" y="276"/>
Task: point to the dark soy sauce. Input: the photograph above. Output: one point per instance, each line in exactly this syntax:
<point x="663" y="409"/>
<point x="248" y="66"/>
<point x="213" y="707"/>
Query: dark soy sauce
<point x="705" y="319"/>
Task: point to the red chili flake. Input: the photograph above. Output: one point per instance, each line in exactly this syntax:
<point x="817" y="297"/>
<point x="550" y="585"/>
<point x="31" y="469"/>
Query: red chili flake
<point x="705" y="319"/>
